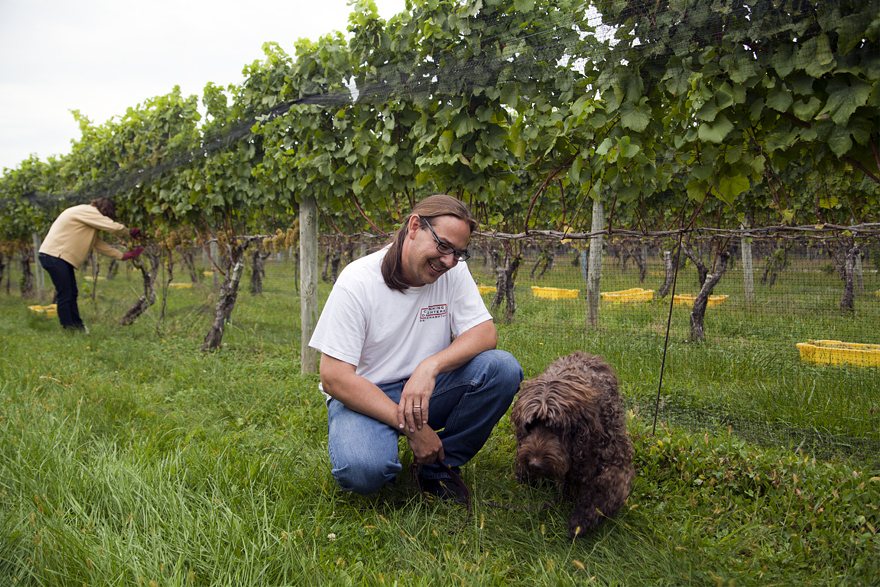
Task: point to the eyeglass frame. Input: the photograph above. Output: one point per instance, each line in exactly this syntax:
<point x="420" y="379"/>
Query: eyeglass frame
<point x="459" y="256"/>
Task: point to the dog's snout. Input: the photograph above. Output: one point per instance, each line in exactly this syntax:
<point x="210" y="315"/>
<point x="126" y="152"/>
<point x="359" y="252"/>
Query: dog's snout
<point x="537" y="464"/>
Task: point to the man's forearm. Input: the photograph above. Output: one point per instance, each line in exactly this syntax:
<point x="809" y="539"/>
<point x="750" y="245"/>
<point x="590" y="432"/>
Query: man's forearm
<point x="482" y="337"/>
<point x="358" y="394"/>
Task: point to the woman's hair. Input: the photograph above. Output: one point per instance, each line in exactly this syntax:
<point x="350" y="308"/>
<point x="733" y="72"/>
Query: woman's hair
<point x="430" y="207"/>
<point x="105" y="206"/>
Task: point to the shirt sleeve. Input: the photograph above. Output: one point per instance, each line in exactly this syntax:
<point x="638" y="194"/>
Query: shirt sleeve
<point x="469" y="310"/>
<point x="106" y="249"/>
<point x="341" y="329"/>
<point x="97" y="220"/>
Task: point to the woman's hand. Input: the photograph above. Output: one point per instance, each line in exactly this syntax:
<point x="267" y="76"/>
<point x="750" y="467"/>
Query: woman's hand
<point x="132" y="254"/>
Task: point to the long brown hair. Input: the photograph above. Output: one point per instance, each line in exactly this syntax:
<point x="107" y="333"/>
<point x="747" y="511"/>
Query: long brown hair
<point x="105" y="206"/>
<point x="430" y="207"/>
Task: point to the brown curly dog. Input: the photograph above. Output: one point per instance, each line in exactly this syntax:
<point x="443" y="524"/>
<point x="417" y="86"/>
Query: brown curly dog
<point x="569" y="426"/>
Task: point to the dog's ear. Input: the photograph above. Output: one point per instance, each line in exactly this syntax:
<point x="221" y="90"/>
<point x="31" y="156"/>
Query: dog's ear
<point x="586" y="411"/>
<point x="585" y="438"/>
<point x="588" y="436"/>
<point x="521" y="416"/>
<point x="587" y="420"/>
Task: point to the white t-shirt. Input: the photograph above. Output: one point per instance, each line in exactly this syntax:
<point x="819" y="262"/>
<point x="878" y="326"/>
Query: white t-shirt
<point x="386" y="333"/>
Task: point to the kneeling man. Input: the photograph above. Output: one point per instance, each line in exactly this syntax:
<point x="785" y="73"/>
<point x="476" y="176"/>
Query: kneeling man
<point x="388" y="365"/>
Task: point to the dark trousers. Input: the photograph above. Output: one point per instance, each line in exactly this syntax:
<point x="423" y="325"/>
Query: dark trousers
<point x="64" y="279"/>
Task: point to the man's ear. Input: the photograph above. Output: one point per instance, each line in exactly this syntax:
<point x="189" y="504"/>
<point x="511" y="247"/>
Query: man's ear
<point x="413" y="225"/>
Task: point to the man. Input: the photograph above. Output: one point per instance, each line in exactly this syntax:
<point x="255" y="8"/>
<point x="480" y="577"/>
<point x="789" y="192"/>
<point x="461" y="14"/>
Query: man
<point x="71" y="239"/>
<point x="388" y="365"/>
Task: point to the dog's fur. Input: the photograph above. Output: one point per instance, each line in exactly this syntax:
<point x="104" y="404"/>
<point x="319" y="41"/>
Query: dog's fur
<point x="570" y="428"/>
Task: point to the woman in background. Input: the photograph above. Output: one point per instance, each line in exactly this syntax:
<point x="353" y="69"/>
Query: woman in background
<point x="71" y="239"/>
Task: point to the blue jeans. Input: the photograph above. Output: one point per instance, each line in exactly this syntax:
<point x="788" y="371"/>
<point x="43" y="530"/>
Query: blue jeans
<point x="466" y="405"/>
<point x="63" y="277"/>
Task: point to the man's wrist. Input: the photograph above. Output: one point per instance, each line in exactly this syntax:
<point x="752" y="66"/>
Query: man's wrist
<point x="431" y="367"/>
<point x="412" y="435"/>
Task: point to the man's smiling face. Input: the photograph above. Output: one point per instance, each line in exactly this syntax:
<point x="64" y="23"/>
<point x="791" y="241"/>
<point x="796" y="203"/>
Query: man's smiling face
<point x="422" y="262"/>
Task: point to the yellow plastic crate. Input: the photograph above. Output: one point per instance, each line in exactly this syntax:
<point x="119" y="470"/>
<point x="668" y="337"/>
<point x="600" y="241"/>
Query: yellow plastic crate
<point x="180" y="285"/>
<point x="484" y="289"/>
<point x="208" y="273"/>
<point x="688" y="300"/>
<point x="554" y="293"/>
<point x="835" y="352"/>
<point x="90" y="278"/>
<point x="49" y="311"/>
<point x="627" y="296"/>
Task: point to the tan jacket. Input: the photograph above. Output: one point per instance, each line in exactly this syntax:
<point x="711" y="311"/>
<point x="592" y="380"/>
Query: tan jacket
<point x="74" y="234"/>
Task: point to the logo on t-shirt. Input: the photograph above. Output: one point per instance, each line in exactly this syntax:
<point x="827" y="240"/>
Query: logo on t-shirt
<point x="437" y="311"/>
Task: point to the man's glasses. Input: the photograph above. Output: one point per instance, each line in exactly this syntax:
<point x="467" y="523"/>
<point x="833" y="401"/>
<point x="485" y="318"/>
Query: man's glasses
<point x="445" y="249"/>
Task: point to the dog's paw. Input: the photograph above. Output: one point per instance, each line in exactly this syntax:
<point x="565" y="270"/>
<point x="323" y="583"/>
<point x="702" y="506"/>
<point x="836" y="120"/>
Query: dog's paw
<point x="575" y="530"/>
<point x="580" y="524"/>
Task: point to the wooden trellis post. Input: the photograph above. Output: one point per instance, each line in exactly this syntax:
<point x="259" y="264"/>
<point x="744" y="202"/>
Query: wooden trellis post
<point x="38" y="269"/>
<point x="748" y="267"/>
<point x="594" y="271"/>
<point x="308" y="291"/>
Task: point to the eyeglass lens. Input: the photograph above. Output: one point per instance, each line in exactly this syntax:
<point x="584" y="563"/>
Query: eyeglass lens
<point x="445" y="248"/>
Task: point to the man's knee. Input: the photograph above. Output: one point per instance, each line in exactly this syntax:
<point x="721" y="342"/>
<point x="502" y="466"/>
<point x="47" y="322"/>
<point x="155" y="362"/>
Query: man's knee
<point x="363" y="452"/>
<point x="503" y="367"/>
<point x="366" y="477"/>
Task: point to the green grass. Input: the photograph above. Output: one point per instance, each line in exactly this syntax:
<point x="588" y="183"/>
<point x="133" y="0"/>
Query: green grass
<point x="128" y="457"/>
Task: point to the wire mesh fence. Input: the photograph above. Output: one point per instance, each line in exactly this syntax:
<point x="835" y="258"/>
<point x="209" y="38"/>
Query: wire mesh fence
<point x="782" y="291"/>
<point x="775" y="294"/>
<point x="787" y="294"/>
<point x="793" y="291"/>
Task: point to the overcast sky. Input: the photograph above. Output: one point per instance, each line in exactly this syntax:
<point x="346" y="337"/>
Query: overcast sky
<point x="103" y="56"/>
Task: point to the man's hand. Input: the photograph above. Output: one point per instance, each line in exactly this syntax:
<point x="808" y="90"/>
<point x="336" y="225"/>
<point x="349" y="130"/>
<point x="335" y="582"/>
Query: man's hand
<point x="343" y="384"/>
<point x="412" y="411"/>
<point x="425" y="445"/>
<point x="134" y="232"/>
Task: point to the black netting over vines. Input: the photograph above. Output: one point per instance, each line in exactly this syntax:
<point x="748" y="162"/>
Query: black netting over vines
<point x="553" y="56"/>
